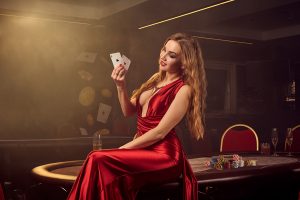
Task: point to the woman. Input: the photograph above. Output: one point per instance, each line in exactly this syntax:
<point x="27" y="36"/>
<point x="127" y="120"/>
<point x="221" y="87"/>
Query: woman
<point x="155" y="155"/>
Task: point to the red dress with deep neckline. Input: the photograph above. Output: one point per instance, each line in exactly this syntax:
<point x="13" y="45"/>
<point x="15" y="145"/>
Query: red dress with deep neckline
<point x="116" y="174"/>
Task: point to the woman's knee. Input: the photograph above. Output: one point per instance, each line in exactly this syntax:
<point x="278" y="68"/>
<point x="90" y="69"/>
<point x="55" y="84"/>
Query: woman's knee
<point x="96" y="156"/>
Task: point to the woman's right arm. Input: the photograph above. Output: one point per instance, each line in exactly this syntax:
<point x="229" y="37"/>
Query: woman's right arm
<point x="128" y="106"/>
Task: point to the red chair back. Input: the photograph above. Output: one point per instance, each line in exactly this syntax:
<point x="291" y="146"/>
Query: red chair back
<point x="239" y="138"/>
<point x="1" y="193"/>
<point x="296" y="139"/>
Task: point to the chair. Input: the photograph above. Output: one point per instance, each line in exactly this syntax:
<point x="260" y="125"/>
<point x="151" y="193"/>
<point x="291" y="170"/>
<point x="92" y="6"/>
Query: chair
<point x="1" y="193"/>
<point x="296" y="139"/>
<point x="239" y="138"/>
<point x="296" y="143"/>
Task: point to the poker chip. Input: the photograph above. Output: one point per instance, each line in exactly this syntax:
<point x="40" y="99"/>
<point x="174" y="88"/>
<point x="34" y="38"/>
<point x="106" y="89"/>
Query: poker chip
<point x="227" y="165"/>
<point x="87" y="96"/>
<point x="229" y="161"/>
<point x="235" y="164"/>
<point x="207" y="163"/>
<point x="235" y="157"/>
<point x="250" y="162"/>
<point x="218" y="166"/>
<point x="106" y="93"/>
<point x="241" y="163"/>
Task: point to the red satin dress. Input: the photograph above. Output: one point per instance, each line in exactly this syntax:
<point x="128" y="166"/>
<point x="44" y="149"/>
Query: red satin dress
<point x="118" y="174"/>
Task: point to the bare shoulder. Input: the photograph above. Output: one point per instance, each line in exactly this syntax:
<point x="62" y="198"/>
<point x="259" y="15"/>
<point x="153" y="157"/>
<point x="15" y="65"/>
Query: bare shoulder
<point x="185" y="91"/>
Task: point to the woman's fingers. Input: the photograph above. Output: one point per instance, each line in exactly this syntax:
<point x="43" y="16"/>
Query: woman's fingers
<point x="118" y="75"/>
<point x="118" y="69"/>
<point x="121" y="72"/>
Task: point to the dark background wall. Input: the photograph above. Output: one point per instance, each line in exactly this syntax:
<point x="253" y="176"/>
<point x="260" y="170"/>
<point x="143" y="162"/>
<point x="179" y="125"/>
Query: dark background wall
<point x="40" y="86"/>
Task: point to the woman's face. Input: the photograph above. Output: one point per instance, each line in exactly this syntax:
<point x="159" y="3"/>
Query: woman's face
<point x="170" y="57"/>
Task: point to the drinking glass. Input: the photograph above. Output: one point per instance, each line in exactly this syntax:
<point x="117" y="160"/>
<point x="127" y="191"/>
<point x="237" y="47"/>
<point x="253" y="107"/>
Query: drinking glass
<point x="274" y="137"/>
<point x="97" y="141"/>
<point x="289" y="140"/>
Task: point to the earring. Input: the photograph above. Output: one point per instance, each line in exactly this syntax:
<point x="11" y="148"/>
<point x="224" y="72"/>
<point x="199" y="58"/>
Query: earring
<point x="183" y="73"/>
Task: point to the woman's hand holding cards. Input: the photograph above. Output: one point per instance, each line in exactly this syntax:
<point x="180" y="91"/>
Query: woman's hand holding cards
<point x="121" y="65"/>
<point x="118" y="75"/>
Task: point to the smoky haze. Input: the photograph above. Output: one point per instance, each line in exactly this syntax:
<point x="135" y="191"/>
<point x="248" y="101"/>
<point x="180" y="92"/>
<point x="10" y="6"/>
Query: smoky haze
<point x="39" y="74"/>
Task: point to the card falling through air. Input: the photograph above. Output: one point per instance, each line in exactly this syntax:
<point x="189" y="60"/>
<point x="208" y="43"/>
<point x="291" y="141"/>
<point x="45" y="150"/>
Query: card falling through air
<point x="103" y="112"/>
<point x="88" y="57"/>
<point x="83" y="131"/>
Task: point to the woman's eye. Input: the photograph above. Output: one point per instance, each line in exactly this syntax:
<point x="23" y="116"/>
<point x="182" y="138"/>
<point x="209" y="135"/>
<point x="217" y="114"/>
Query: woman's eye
<point x="172" y="55"/>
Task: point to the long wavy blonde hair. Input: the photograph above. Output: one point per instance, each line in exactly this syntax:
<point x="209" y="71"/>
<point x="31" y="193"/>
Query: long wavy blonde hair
<point x="193" y="75"/>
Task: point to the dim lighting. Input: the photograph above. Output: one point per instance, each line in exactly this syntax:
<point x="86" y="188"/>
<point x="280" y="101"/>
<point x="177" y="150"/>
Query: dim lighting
<point x="186" y="14"/>
<point x="28" y="18"/>
<point x="223" y="40"/>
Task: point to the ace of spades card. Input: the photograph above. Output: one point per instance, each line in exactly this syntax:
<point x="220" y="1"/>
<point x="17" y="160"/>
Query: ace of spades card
<point x="103" y="112"/>
<point x="118" y="59"/>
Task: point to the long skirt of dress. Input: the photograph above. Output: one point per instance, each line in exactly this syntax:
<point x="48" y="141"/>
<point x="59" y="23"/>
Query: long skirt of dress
<point x="118" y="174"/>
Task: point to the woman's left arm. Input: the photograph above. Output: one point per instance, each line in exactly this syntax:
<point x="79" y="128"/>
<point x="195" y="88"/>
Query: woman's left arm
<point x="173" y="116"/>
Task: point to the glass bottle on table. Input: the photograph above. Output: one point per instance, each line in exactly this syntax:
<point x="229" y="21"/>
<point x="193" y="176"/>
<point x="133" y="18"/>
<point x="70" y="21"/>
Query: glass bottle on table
<point x="274" y="138"/>
<point x="289" y="140"/>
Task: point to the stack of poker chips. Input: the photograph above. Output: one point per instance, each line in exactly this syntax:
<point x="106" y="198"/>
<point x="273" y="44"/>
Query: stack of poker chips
<point x="236" y="161"/>
<point x="250" y="162"/>
<point x="226" y="162"/>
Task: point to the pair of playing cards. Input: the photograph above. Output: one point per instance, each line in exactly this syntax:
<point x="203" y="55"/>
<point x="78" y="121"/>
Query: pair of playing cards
<point x="117" y="59"/>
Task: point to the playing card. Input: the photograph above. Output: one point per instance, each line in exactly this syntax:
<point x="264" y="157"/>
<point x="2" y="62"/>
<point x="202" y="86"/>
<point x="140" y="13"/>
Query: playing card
<point x="103" y="112"/>
<point x="126" y="62"/>
<point x="83" y="131"/>
<point x="116" y="59"/>
<point x="87" y="76"/>
<point x="88" y="57"/>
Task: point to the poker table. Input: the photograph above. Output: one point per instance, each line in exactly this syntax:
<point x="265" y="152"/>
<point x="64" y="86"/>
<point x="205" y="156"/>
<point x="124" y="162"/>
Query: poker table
<point x="270" y="173"/>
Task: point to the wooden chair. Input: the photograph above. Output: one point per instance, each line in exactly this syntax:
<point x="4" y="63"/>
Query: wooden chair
<point x="239" y="138"/>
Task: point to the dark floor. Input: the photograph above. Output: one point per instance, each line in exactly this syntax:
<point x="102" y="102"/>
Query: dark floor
<point x="279" y="191"/>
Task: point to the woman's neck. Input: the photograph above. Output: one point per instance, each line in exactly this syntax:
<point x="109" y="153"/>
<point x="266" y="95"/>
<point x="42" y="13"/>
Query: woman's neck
<point x="170" y="78"/>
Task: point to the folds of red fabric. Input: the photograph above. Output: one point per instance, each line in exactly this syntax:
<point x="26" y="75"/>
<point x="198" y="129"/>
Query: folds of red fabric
<point x="117" y="174"/>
